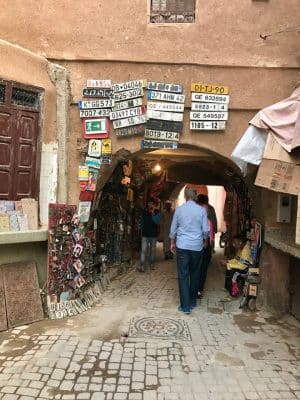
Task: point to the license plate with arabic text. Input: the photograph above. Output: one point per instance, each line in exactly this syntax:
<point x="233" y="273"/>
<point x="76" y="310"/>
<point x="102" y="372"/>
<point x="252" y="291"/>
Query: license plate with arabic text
<point x="165" y="87"/>
<point x="158" y="144"/>
<point x="96" y="92"/>
<point x="131" y="130"/>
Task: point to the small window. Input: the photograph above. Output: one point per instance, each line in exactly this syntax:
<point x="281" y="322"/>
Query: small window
<point x="25" y="98"/>
<point x="2" y="93"/>
<point x="172" y="11"/>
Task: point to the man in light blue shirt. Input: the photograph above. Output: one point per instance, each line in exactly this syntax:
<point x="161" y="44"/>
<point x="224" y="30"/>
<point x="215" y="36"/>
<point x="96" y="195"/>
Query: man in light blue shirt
<point x="189" y="234"/>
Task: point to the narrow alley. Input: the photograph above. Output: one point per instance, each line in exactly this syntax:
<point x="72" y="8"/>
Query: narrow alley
<point x="135" y="345"/>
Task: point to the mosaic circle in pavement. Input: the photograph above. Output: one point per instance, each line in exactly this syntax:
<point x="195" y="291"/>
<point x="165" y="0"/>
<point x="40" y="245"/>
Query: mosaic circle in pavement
<point x="167" y="328"/>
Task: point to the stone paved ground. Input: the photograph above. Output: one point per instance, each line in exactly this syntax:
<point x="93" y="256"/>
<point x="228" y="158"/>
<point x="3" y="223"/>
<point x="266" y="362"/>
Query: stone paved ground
<point x="135" y="345"/>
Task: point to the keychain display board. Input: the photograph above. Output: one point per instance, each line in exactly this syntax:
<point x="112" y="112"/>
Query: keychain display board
<point x="22" y="293"/>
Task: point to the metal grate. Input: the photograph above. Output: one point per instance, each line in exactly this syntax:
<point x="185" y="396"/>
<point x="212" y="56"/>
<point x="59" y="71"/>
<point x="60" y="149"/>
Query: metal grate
<point x="172" y="11"/>
<point x="2" y="93"/>
<point x="25" y="98"/>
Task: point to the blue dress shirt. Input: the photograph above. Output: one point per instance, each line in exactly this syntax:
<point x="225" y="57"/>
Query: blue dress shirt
<point x="189" y="226"/>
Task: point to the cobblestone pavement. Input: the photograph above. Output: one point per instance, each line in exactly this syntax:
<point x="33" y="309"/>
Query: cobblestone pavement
<point x="135" y="345"/>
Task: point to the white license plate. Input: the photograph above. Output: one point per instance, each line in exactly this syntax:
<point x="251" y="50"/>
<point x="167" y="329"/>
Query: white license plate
<point x="164" y="115"/>
<point x="209" y="116"/>
<point x="130" y="94"/>
<point x="98" y="83"/>
<point x="161" y="106"/>
<point x="164" y="96"/>
<point x="105" y="103"/>
<point x="210" y="98"/>
<point x="165" y="87"/>
<point x="127" y="104"/>
<point x="121" y="123"/>
<point x="121" y="87"/>
<point x="129" y="112"/>
<point x="100" y="112"/>
<point x="162" y="135"/>
<point x="209" y="107"/>
<point x="207" y="125"/>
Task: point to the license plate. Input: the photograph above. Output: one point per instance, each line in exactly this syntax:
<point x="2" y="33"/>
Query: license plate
<point x="98" y="83"/>
<point x="159" y="125"/>
<point x="121" y="87"/>
<point x="210" y="98"/>
<point x="94" y="92"/>
<point x="208" y="125"/>
<point x="165" y="87"/>
<point x="160" y="106"/>
<point x="130" y="94"/>
<point x="129" y="112"/>
<point x="161" y="135"/>
<point x="209" y="116"/>
<point x="164" y="96"/>
<point x="105" y="103"/>
<point x="122" y="123"/>
<point x="209" y="107"/>
<point x="131" y="130"/>
<point x="165" y="115"/>
<point x="158" y="144"/>
<point x="100" y="112"/>
<point x="205" y="88"/>
<point x="127" y="104"/>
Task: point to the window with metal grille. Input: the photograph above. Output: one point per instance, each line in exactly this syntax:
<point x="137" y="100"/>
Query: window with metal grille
<point x="172" y="11"/>
<point x="2" y="93"/>
<point x="25" y="98"/>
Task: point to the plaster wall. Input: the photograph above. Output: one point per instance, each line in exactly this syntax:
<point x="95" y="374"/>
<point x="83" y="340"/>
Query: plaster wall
<point x="224" y="33"/>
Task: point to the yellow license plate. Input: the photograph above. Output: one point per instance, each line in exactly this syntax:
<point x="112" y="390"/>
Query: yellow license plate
<point x="205" y="88"/>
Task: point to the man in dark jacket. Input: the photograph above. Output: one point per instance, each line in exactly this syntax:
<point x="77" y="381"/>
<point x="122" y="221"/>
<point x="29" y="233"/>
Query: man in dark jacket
<point x="149" y="227"/>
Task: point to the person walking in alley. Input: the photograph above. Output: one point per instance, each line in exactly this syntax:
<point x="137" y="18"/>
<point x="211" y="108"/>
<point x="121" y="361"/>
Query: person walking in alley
<point x="189" y="235"/>
<point x="165" y="225"/>
<point x="149" y="227"/>
<point x="211" y="214"/>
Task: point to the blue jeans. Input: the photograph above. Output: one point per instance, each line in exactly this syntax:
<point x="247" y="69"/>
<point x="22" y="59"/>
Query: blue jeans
<point x="188" y="266"/>
<point x="146" y="243"/>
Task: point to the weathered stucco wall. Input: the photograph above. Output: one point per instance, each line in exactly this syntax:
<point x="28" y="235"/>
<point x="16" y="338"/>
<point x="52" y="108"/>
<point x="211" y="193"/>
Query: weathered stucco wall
<point x="225" y="32"/>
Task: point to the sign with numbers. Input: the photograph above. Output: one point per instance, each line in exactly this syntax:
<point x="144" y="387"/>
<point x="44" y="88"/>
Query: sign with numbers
<point x="209" y="107"/>
<point x="93" y="112"/>
<point x="210" y="116"/>
<point x="164" y="106"/>
<point x="210" y="98"/>
<point x="164" y="96"/>
<point x="206" y="88"/>
<point x="207" y="125"/>
<point x="165" y="115"/>
<point x="122" y="105"/>
<point x="129" y="112"/>
<point x="161" y="135"/>
<point x="94" y="128"/>
<point x="98" y="83"/>
<point x="105" y="103"/>
<point x="165" y="87"/>
<point x="158" y="144"/>
<point x="122" y="123"/>
<point x="121" y="87"/>
<point x="128" y="94"/>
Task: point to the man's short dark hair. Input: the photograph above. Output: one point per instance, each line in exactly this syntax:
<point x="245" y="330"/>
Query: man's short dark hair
<point x="202" y="198"/>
